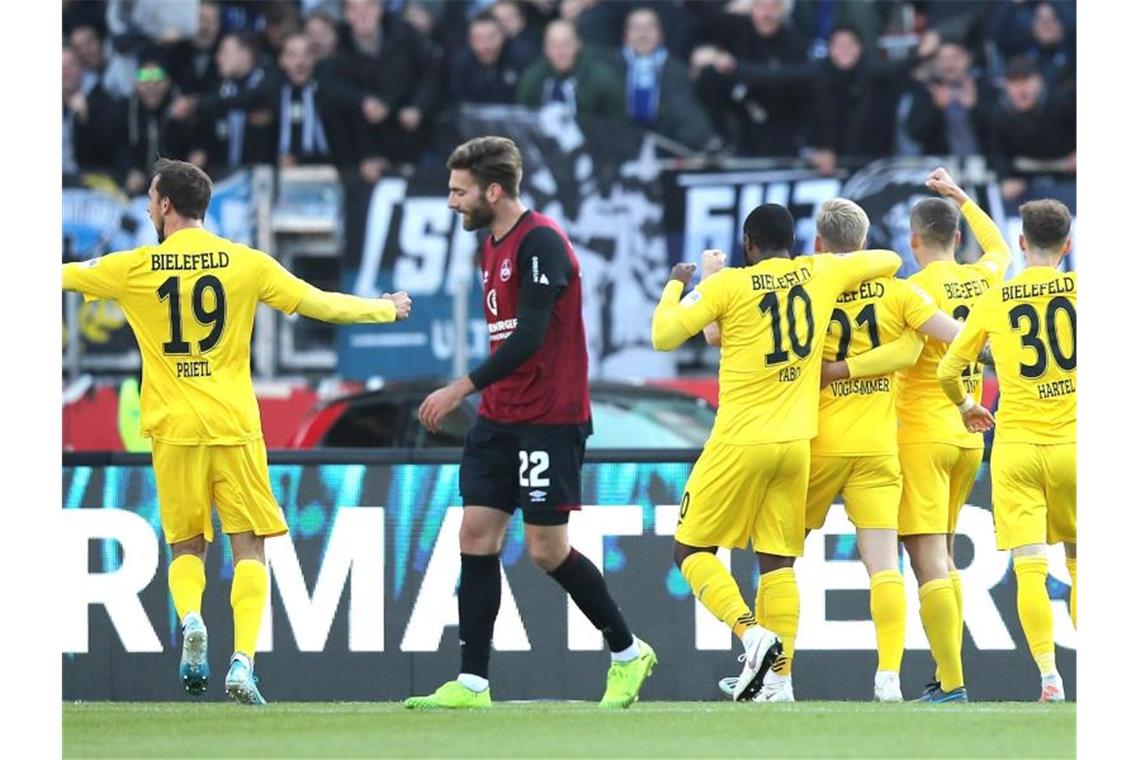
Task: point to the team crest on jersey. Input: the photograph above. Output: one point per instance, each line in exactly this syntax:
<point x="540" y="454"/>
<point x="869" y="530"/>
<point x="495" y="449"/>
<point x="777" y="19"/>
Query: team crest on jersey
<point x="493" y="301"/>
<point x="505" y="270"/>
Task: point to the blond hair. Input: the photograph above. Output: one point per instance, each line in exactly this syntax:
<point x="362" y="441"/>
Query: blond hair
<point x="842" y="224"/>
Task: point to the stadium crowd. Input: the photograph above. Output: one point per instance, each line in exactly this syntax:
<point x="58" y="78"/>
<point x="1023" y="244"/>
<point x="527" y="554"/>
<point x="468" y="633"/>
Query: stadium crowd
<point x="370" y="85"/>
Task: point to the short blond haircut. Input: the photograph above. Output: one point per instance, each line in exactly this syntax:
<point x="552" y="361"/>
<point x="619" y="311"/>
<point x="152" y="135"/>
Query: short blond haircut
<point x="842" y="224"/>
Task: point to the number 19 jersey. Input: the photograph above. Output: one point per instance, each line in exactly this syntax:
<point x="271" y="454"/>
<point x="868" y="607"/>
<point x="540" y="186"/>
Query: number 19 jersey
<point x="773" y="317"/>
<point x="191" y="302"/>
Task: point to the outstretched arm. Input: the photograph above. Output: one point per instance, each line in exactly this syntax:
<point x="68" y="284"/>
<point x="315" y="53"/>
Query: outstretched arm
<point x="890" y="357"/>
<point x="995" y="252"/>
<point x="342" y="309"/>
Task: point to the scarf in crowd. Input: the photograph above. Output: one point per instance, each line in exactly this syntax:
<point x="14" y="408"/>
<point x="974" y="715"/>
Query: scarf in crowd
<point x="235" y="118"/>
<point x="313" y="140"/>
<point x="643" y="83"/>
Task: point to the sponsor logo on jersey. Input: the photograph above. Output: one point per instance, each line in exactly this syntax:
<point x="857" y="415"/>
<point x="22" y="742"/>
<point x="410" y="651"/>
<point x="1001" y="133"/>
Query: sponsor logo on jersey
<point x="691" y="299"/>
<point x="493" y="301"/>
<point x="505" y="270"/>
<point x="539" y="277"/>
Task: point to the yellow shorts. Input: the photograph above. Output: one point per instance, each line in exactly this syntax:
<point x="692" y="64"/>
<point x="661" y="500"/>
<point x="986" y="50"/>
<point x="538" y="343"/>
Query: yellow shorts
<point x="235" y="478"/>
<point x="937" y="478"/>
<point x="871" y="488"/>
<point x="738" y="494"/>
<point x="1035" y="494"/>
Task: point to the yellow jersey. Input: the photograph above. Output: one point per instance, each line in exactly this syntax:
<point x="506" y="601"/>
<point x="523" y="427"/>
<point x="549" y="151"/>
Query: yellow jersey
<point x="773" y="319"/>
<point x="1031" y="323"/>
<point x="925" y="414"/>
<point x="857" y="416"/>
<point x="191" y="302"/>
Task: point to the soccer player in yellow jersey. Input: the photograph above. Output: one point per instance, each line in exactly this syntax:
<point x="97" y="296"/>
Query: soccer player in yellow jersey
<point x="190" y="301"/>
<point x="1031" y="324"/>
<point x="750" y="483"/>
<point x="856" y="451"/>
<point x="939" y="459"/>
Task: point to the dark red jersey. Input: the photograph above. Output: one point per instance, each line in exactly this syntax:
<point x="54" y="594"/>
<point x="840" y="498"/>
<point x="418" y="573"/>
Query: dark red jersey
<point x="533" y="269"/>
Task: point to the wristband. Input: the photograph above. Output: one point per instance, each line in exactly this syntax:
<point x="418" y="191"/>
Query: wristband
<point x="966" y="404"/>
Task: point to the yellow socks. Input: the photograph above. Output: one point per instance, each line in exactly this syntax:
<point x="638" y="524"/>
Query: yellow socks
<point x="956" y="580"/>
<point x="716" y="589"/>
<point x="888" y="612"/>
<point x="1035" y="611"/>
<point x="780" y="606"/>
<point x="939" y="612"/>
<point x="187" y="579"/>
<point x="1071" y="563"/>
<point x="247" y="597"/>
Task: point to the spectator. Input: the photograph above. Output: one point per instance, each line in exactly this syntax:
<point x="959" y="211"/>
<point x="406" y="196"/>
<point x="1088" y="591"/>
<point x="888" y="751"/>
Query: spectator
<point x="568" y="74"/>
<point x="310" y="130"/>
<point x="281" y="20"/>
<point x="192" y="63"/>
<point x="1043" y="31"/>
<point x="524" y="36"/>
<point x="658" y="94"/>
<point x="948" y="115"/>
<point x="817" y="18"/>
<point x="234" y="123"/>
<point x="92" y="123"/>
<point x="387" y="73"/>
<point x="751" y="79"/>
<point x="1031" y="121"/>
<point x="321" y="30"/>
<point x="855" y="97"/>
<point x="87" y="43"/>
<point x="151" y="132"/>
<point x="485" y="71"/>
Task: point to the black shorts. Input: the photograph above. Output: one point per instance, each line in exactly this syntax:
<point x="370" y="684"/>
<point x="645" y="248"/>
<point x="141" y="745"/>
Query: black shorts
<point x="538" y="467"/>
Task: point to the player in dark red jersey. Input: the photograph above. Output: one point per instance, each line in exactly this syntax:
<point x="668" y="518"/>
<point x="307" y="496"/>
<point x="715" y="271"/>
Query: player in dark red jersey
<point x="534" y="416"/>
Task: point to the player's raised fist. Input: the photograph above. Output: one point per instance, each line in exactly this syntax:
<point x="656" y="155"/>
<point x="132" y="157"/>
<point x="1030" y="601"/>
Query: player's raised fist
<point x="712" y="261"/>
<point x="683" y="272"/>
<point x="942" y="183"/>
<point x="403" y="303"/>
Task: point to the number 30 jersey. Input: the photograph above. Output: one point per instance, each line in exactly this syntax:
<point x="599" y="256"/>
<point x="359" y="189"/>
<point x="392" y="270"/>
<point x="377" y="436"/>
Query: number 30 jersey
<point x="1031" y="323"/>
<point x="773" y="319"/>
<point x="857" y="415"/>
<point x="191" y="302"/>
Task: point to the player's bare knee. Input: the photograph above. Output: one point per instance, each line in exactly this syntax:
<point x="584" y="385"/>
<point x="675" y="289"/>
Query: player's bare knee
<point x="195" y="546"/>
<point x="681" y="552"/>
<point x="1071" y="551"/>
<point x="547" y="548"/>
<point x="928" y="557"/>
<point x="772" y="562"/>
<point x="247" y="546"/>
<point x="479" y="537"/>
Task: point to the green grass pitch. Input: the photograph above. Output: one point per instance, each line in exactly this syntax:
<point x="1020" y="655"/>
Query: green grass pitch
<point x="566" y="729"/>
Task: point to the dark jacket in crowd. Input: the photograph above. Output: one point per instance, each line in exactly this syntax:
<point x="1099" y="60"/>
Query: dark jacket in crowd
<point x="472" y="82"/>
<point x="97" y="142"/>
<point x="678" y="114"/>
<point x="194" y="71"/>
<point x="592" y="87"/>
<point x="854" y="110"/>
<point x="311" y="126"/>
<point x="406" y="72"/>
<point x="929" y="126"/>
<point x="154" y="134"/>
<point x="761" y="108"/>
<point x="1046" y="132"/>
<point x="235" y="124"/>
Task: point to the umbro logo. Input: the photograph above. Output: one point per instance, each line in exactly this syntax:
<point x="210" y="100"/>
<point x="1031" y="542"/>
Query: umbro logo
<point x="537" y="496"/>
